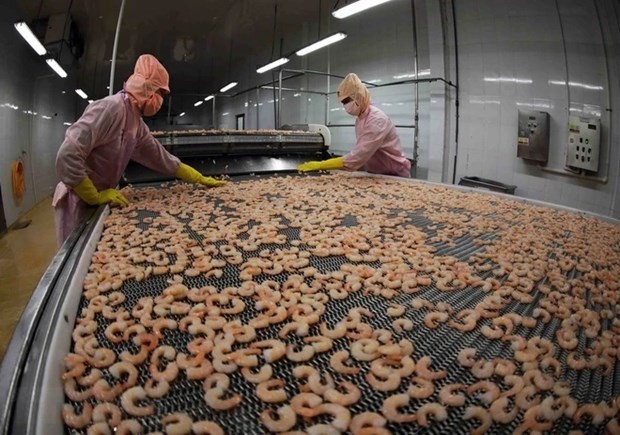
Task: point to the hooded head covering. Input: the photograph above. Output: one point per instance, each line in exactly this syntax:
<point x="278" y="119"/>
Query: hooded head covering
<point x="148" y="77"/>
<point x="353" y="88"/>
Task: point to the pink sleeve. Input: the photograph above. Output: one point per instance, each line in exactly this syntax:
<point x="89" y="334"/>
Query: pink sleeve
<point x="150" y="153"/>
<point x="100" y="123"/>
<point x="367" y="143"/>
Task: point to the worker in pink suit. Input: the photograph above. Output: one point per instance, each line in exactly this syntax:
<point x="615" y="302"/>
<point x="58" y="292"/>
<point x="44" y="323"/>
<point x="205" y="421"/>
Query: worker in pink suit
<point x="377" y="146"/>
<point x="110" y="132"/>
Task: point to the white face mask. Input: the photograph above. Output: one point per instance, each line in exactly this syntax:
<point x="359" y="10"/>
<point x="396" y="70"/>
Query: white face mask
<point x="352" y="108"/>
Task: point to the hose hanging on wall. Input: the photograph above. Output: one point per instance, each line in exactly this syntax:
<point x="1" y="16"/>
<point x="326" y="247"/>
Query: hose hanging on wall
<point x="18" y="181"/>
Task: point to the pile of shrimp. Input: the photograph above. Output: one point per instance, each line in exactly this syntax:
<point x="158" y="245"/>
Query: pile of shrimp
<point x="405" y="331"/>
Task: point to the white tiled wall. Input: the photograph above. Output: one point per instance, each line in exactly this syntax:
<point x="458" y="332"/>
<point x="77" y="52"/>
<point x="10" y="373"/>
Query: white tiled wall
<point x="524" y="40"/>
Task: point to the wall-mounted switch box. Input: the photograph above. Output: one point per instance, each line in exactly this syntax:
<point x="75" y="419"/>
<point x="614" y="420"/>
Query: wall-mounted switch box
<point x="584" y="138"/>
<point x="533" y="137"/>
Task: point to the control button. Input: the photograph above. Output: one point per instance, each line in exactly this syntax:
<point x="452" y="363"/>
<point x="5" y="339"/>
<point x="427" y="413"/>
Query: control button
<point x="589" y="150"/>
<point x="588" y="158"/>
<point x="580" y="140"/>
<point x="577" y="147"/>
<point x="572" y="140"/>
<point x="587" y="141"/>
<point x="582" y="159"/>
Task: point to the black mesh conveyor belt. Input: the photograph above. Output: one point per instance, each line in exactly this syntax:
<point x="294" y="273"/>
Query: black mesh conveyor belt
<point x="442" y="343"/>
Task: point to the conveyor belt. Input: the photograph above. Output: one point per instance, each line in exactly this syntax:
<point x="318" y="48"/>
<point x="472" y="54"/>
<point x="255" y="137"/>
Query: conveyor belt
<point x="442" y="343"/>
<point x="38" y="395"/>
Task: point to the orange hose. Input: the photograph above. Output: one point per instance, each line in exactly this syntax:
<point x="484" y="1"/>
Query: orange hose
<point x="18" y="181"/>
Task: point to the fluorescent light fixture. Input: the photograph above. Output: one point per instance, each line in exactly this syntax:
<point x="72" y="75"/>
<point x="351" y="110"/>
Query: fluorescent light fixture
<point x="90" y="101"/>
<point x="576" y="84"/>
<point x="30" y="38"/>
<point x="229" y="86"/>
<point x="56" y="67"/>
<point x="46" y="117"/>
<point x="66" y="123"/>
<point x="181" y="114"/>
<point x="358" y="6"/>
<point x="322" y="43"/>
<point x="81" y="93"/>
<point x="507" y="79"/>
<point x="198" y="103"/>
<point x="411" y="75"/>
<point x="272" y="65"/>
<point x="210" y="97"/>
<point x="225" y="114"/>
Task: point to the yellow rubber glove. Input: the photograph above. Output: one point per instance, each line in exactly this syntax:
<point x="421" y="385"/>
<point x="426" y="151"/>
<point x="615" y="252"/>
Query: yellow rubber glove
<point x="335" y="163"/>
<point x="87" y="191"/>
<point x="190" y="175"/>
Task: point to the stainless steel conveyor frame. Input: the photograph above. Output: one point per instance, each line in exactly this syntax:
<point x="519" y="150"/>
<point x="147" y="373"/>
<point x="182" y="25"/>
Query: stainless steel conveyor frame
<point x="31" y="392"/>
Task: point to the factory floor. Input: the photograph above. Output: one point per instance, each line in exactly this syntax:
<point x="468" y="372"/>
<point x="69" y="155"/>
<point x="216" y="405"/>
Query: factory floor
<point x="25" y="254"/>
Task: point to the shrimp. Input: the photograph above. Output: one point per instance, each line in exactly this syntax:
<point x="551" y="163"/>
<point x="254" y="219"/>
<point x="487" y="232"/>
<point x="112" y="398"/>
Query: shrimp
<point x="127" y="427"/>
<point x="129" y="401"/>
<point x="107" y="413"/>
<point x="178" y="423"/>
<point x="100" y="428"/>
<point x="264" y="373"/>
<point x="339" y="331"/>
<point x="480" y="414"/>
<point x="305" y="404"/>
<point x="213" y="397"/>
<point x="391" y="406"/>
<point x="448" y="397"/>
<point x="438" y="412"/>
<point x="491" y="391"/>
<point x="337" y="362"/>
<point x="171" y="371"/>
<point x="531" y="422"/>
<point x="466" y="357"/>
<point x="342" y="415"/>
<point x="119" y="369"/>
<point x="271" y="391"/>
<point x="420" y="388"/>
<point x="286" y="419"/>
<point x="402" y="324"/>
<point x="369" y="421"/>
<point x="350" y="397"/>
<point x="206" y="427"/>
<point x="499" y="411"/>
<point x="483" y="369"/>
<point x="156" y="389"/>
<point x="434" y="318"/>
<point x="389" y="383"/>
<point x="77" y="421"/>
<point x="422" y="369"/>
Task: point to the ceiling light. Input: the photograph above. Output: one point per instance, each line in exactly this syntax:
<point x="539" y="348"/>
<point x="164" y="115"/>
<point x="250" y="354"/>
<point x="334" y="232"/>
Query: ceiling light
<point x="46" y="117"/>
<point x="198" y="103"/>
<point x="272" y="65"/>
<point x="210" y="97"/>
<point x="358" y="6"/>
<point x="30" y="38"/>
<point x="229" y="86"/>
<point x="181" y="114"/>
<point x="66" y="123"/>
<point x="56" y="67"/>
<point x="322" y="43"/>
<point x="81" y="93"/>
<point x="90" y="101"/>
<point x="507" y="79"/>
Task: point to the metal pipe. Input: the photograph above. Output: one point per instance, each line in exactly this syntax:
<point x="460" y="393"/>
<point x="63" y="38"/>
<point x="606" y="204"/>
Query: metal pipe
<point x="321" y="73"/>
<point x="279" y="102"/>
<point x="114" y="50"/>
<point x="257" y="106"/>
<point x="213" y="112"/>
<point x="416" y="117"/>
<point x="456" y="102"/>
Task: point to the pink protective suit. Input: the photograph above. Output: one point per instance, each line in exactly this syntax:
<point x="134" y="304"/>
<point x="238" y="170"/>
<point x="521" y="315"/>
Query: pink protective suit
<point x="99" y="145"/>
<point x="377" y="146"/>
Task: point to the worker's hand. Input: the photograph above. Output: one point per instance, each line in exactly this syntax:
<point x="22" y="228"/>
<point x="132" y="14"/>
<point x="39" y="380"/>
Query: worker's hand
<point x="114" y="196"/>
<point x="190" y="175"/>
<point x="309" y="166"/>
<point x="88" y="193"/>
<point x="335" y="163"/>
<point x="211" y="182"/>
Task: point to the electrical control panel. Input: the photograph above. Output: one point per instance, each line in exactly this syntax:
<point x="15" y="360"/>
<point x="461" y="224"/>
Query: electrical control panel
<point x="533" y="135"/>
<point x="584" y="137"/>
